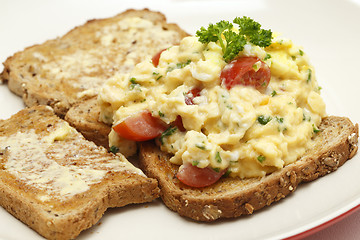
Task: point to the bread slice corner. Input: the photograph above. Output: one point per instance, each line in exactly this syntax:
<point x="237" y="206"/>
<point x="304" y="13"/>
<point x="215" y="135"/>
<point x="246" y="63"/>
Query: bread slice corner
<point x="58" y="183"/>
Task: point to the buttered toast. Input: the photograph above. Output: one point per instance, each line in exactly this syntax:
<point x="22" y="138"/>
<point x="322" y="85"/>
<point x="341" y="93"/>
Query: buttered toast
<point x="58" y="183"/>
<point x="65" y="70"/>
<point x="230" y="197"/>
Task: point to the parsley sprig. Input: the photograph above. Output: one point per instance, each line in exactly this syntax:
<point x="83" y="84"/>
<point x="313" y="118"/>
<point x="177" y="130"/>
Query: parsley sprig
<point x="232" y="42"/>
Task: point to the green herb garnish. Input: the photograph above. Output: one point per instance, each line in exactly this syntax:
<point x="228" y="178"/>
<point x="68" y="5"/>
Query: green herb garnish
<point x="268" y="56"/>
<point x="273" y="93"/>
<point x="114" y="149"/>
<point x="133" y="83"/>
<point x="263" y="120"/>
<point x="249" y="31"/>
<point x="315" y="129"/>
<point x="195" y="162"/>
<point x="218" y="157"/>
<point x="182" y="65"/>
<point x="309" y="75"/>
<point x="161" y="114"/>
<point x="216" y="169"/>
<point x="261" y="158"/>
<point x="178" y="66"/>
<point x="228" y="172"/>
<point x="167" y="133"/>
<point x="200" y="146"/>
<point x="279" y="119"/>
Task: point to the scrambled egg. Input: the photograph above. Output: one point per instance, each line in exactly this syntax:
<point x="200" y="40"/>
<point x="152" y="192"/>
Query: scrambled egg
<point x="243" y="130"/>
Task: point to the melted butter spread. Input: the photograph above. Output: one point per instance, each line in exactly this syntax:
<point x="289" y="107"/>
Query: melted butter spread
<point x="87" y="63"/>
<point x="223" y="128"/>
<point x="50" y="165"/>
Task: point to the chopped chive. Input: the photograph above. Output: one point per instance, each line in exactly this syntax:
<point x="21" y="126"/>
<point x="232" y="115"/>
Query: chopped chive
<point x="268" y="56"/>
<point x="133" y="80"/>
<point x="114" y="149"/>
<point x="279" y="119"/>
<point x="218" y="157"/>
<point x="216" y="169"/>
<point x="228" y="172"/>
<point x="261" y="158"/>
<point x="309" y="75"/>
<point x="195" y="162"/>
<point x="167" y="133"/>
<point x="263" y="120"/>
<point x="133" y="83"/>
<point x="201" y="146"/>
<point x="315" y="129"/>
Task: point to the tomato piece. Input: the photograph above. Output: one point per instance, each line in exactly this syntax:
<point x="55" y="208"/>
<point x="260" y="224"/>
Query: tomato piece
<point x="140" y="127"/>
<point x="178" y="123"/>
<point x="198" y="177"/>
<point x="155" y="59"/>
<point x="247" y="71"/>
<point x="190" y="95"/>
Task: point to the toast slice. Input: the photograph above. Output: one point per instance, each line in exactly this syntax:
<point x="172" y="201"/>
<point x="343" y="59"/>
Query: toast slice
<point x="62" y="71"/>
<point x="58" y="183"/>
<point x="84" y="116"/>
<point x="232" y="197"/>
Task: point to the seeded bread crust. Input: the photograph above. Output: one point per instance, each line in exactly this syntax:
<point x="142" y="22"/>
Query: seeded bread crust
<point x="65" y="217"/>
<point x="65" y="70"/>
<point x="233" y="197"/>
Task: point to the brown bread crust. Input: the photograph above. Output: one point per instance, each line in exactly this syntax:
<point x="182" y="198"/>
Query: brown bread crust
<point x="56" y="72"/>
<point x="233" y="197"/>
<point x="65" y="217"/>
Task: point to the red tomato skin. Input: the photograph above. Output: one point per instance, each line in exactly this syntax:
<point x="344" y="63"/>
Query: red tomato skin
<point x="190" y="95"/>
<point x="155" y="59"/>
<point x="241" y="72"/>
<point x="178" y="123"/>
<point x="198" y="177"/>
<point x="140" y="127"/>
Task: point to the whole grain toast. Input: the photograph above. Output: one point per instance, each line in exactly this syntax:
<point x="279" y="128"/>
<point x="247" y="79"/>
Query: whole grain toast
<point x="65" y="70"/>
<point x="58" y="183"/>
<point x="84" y="116"/>
<point x="231" y="197"/>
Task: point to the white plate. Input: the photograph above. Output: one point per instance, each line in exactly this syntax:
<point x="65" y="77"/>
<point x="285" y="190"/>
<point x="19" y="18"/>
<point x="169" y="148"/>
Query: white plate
<point x="329" y="32"/>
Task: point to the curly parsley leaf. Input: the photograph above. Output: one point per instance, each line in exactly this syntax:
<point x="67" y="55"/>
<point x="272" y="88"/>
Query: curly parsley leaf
<point x="235" y="44"/>
<point x="232" y="42"/>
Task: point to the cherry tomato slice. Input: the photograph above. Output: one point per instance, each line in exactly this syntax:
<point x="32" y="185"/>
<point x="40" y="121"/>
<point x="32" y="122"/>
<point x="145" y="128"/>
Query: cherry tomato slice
<point x="140" y="127"/>
<point x="247" y="71"/>
<point x="198" y="177"/>
<point x="155" y="59"/>
<point x="190" y="95"/>
<point x="178" y="123"/>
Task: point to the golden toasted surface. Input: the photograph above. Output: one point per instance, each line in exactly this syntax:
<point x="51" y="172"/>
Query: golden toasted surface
<point x="57" y="182"/>
<point x="64" y="70"/>
<point x="231" y="197"/>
